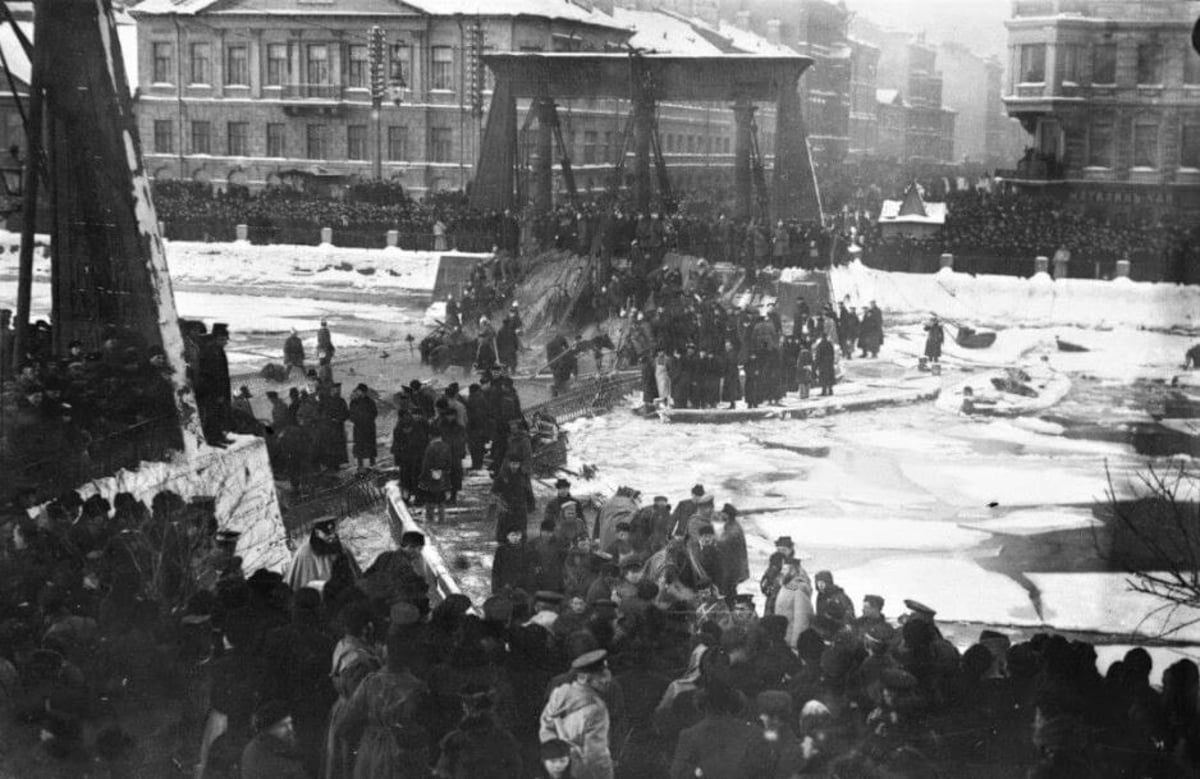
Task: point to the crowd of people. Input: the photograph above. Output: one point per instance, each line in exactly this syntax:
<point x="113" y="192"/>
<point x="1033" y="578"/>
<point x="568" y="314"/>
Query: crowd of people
<point x="697" y="351"/>
<point x="621" y="641"/>
<point x="74" y="415"/>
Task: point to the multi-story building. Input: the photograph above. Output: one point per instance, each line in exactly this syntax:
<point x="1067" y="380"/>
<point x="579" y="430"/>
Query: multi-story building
<point x="236" y="93"/>
<point x="1109" y="93"/>
<point x="930" y="124"/>
<point x="242" y="93"/>
<point x="864" y="110"/>
<point x="907" y="77"/>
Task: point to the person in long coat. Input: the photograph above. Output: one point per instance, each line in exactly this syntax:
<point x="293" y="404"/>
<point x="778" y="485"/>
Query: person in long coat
<point x="870" y="333"/>
<point x="434" y="482"/>
<point x="794" y="600"/>
<point x="455" y="437"/>
<point x="723" y="744"/>
<point x="363" y="413"/>
<point x="409" y="439"/>
<point x="662" y="377"/>
<point x="213" y="391"/>
<point x="825" y="358"/>
<point x="334" y="413"/>
<point x="293" y="353"/>
<point x="515" y="493"/>
<point x="388" y="706"/>
<point x="934" y="340"/>
<point x="508" y="343"/>
<point x="735" y="563"/>
<point x="731" y="377"/>
<point x="354" y="659"/>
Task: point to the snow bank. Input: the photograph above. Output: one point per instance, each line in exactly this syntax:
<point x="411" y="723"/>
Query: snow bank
<point x="243" y="264"/>
<point x="240" y="479"/>
<point x="1011" y="301"/>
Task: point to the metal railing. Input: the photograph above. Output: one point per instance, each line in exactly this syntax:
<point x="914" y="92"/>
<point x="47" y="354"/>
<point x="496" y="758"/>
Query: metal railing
<point x="599" y="395"/>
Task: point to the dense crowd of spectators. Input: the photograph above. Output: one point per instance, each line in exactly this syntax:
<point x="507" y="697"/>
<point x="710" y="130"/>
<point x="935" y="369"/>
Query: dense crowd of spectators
<point x="69" y="417"/>
<point x="622" y="641"/>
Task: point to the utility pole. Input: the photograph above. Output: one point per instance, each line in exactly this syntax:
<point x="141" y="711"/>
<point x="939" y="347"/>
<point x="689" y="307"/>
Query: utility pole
<point x="378" y="50"/>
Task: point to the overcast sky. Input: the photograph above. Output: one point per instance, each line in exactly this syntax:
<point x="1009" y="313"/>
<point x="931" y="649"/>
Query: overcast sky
<point x="978" y="24"/>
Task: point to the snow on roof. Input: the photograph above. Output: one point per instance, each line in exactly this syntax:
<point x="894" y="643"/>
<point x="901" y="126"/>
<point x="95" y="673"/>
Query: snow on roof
<point x="752" y="42"/>
<point x="549" y="9"/>
<point x="935" y="214"/>
<point x="888" y="96"/>
<point x="663" y="33"/>
<point x="21" y="70"/>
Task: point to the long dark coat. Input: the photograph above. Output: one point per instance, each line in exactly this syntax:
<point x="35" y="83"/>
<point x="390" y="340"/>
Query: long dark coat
<point x="332" y="430"/>
<point x="362" y="415"/>
<point x="824" y="359"/>
<point x="934" y="341"/>
<point x="409" y="439"/>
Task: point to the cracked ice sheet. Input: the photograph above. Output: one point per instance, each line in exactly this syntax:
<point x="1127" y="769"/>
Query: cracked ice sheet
<point x="957" y="588"/>
<point x="1104" y="602"/>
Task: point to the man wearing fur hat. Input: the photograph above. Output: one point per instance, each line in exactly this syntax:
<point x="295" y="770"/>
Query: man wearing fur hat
<point x="314" y="559"/>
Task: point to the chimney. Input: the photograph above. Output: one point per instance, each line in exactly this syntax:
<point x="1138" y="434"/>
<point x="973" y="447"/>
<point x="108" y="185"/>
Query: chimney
<point x="773" y="35"/>
<point x="742" y="20"/>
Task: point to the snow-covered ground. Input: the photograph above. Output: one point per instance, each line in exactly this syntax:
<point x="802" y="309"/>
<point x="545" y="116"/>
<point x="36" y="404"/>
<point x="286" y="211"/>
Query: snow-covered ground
<point x="907" y="503"/>
<point x="326" y="267"/>
<point x="918" y="502"/>
<point x="1007" y="301"/>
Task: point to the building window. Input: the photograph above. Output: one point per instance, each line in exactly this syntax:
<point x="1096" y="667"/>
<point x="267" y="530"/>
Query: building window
<point x="277" y="64"/>
<point x="164" y="63"/>
<point x="237" y="66"/>
<point x="1149" y="63"/>
<point x="443" y="67"/>
<point x="201" y="64"/>
<point x="606" y="149"/>
<point x="1100" y="145"/>
<point x="1145" y="145"/>
<point x="164" y="136"/>
<point x="1068" y="63"/>
<point x="357" y="70"/>
<point x="589" y="145"/>
<point x="400" y="64"/>
<point x="1033" y="63"/>
<point x="1104" y="63"/>
<point x="397" y="144"/>
<point x="356" y="142"/>
<point x="276" y="145"/>
<point x="201" y="138"/>
<point x="489" y="78"/>
<point x="318" y="67"/>
<point x="1191" y="68"/>
<point x="237" y="139"/>
<point x="440" y="147"/>
<point x="1189" y="151"/>
<point x="316" y="137"/>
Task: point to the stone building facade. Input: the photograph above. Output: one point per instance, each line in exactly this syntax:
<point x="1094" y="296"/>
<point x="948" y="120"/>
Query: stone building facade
<point x="1109" y="94"/>
<point x="241" y="93"/>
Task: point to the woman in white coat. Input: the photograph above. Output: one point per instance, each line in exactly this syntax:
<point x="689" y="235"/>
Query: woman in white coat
<point x="795" y="600"/>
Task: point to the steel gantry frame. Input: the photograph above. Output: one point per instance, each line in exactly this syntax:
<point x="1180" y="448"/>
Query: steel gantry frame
<point x="646" y="79"/>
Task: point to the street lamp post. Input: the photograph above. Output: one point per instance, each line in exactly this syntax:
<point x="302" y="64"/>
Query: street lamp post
<point x="378" y="50"/>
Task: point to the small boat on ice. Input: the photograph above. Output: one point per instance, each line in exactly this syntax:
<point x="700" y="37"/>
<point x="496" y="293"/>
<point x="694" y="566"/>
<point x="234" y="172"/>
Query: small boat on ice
<point x="969" y="338"/>
<point x="1067" y="346"/>
<point x="1006" y="392"/>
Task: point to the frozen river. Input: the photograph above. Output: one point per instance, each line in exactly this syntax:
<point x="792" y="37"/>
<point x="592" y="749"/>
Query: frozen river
<point x="988" y="520"/>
